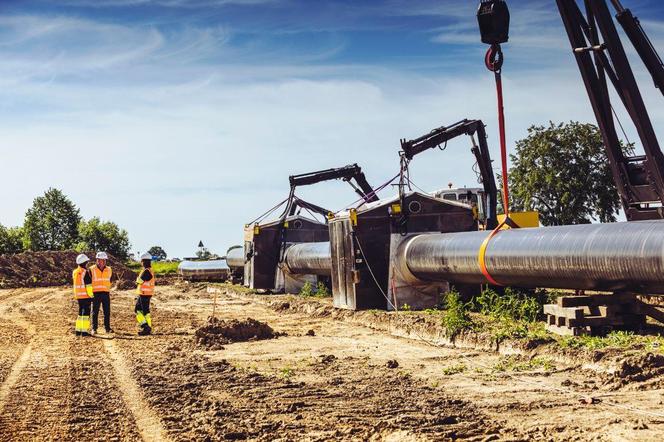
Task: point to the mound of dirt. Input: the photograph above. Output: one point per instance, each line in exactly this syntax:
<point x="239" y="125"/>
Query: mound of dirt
<point x="638" y="369"/>
<point x="46" y="269"/>
<point x="218" y="332"/>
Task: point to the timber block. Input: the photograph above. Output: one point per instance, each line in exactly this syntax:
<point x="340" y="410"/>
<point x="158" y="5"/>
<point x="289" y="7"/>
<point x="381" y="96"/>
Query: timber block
<point x="567" y="331"/>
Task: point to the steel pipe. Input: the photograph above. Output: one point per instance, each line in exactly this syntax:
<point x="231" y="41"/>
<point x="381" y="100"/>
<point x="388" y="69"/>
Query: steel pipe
<point x="313" y="258"/>
<point x="215" y="270"/>
<point x="611" y="257"/>
<point x="235" y="258"/>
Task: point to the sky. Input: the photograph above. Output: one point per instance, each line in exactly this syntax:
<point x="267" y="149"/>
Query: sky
<point x="182" y="120"/>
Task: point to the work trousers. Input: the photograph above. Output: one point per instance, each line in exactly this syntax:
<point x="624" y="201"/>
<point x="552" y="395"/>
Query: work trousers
<point x="83" y="320"/>
<point x="101" y="299"/>
<point x="142" y="310"/>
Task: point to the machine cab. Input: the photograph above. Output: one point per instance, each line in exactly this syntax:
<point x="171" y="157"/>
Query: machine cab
<point x="471" y="196"/>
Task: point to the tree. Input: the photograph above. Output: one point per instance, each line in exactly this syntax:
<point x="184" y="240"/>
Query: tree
<point x="562" y="172"/>
<point x="11" y="239"/>
<point x="51" y="223"/>
<point x="158" y="254"/>
<point x="203" y="253"/>
<point x="103" y="236"/>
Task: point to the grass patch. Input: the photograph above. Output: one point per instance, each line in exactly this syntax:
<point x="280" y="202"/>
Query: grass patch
<point x="160" y="268"/>
<point x="454" y="369"/>
<point x="320" y="291"/>
<point x="455" y="317"/>
<point x="515" y="363"/>
<point x="616" y="339"/>
<point x="286" y="373"/>
<point x="512" y="304"/>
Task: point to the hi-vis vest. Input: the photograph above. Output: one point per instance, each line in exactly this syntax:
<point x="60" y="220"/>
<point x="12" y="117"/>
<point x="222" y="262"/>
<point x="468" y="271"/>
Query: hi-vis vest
<point x="79" y="285"/>
<point x="101" y="279"/>
<point x="146" y="288"/>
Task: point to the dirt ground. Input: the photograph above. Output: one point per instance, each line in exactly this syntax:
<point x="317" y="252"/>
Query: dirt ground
<point x="318" y="378"/>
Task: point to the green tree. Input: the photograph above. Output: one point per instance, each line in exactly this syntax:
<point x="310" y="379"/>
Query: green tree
<point x="11" y="239"/>
<point x="562" y="172"/>
<point x="158" y="254"/>
<point x="104" y="236"/>
<point x="51" y="223"/>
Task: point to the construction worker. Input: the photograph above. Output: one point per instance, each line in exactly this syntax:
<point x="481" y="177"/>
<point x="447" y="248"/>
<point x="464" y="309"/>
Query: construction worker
<point x="101" y="286"/>
<point x="145" y="284"/>
<point x="83" y="294"/>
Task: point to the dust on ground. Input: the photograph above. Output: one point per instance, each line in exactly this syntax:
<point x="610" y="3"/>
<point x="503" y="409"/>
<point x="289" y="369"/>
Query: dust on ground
<point x="325" y="379"/>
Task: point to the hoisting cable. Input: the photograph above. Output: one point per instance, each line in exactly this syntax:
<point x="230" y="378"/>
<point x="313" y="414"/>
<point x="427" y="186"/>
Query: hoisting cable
<point x="494" y="62"/>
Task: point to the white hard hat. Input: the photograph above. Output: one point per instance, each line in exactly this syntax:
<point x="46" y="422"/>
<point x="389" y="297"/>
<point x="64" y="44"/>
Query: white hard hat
<point x="146" y="256"/>
<point x="102" y="255"/>
<point x="82" y="259"/>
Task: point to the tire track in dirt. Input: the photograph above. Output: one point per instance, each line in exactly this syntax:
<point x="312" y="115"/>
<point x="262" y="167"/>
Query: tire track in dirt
<point x="13" y="375"/>
<point x="149" y="425"/>
<point x="63" y="388"/>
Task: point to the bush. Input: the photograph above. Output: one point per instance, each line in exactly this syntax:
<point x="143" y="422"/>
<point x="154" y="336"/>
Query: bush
<point x="455" y="317"/>
<point x="307" y="290"/>
<point x="320" y="291"/>
<point x="11" y="239"/>
<point x="512" y="305"/>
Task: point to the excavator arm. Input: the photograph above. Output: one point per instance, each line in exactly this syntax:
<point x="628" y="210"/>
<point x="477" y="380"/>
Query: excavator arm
<point x="346" y="173"/>
<point x="442" y="135"/>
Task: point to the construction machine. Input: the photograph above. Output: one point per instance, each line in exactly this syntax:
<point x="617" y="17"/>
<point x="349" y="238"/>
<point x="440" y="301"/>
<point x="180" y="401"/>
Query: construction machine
<point x="265" y="242"/>
<point x="600" y="54"/>
<point x="487" y="201"/>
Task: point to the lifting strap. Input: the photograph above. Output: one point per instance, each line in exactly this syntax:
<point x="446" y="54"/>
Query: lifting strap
<point x="494" y="62"/>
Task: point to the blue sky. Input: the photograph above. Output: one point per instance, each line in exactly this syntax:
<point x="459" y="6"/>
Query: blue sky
<point x="203" y="108"/>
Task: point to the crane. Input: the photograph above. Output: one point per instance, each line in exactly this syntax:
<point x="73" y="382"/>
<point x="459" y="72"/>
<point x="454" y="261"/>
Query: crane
<point x="599" y="54"/>
<point x="442" y="135"/>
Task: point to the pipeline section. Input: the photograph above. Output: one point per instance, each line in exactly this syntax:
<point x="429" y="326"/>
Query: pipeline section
<point x="235" y="258"/>
<point x="607" y="257"/>
<point x="215" y="270"/>
<point x="313" y="258"/>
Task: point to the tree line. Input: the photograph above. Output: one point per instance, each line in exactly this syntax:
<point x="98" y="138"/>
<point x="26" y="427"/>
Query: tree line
<point x="53" y="222"/>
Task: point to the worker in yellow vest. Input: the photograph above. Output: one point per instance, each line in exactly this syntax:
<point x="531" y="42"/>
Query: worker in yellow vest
<point x="83" y="294"/>
<point x="145" y="283"/>
<point x="101" y="286"/>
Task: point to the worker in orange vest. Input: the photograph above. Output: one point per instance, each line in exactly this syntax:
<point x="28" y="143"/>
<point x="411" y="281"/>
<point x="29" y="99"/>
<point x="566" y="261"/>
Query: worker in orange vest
<point x="145" y="283"/>
<point x="101" y="286"/>
<point x="83" y="294"/>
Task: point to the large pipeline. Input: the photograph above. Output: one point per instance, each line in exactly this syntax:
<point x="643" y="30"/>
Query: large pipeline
<point x="615" y="256"/>
<point x="235" y="257"/>
<point x="313" y="258"/>
<point x="215" y="270"/>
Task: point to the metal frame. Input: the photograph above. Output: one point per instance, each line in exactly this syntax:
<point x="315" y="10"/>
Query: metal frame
<point x="639" y="178"/>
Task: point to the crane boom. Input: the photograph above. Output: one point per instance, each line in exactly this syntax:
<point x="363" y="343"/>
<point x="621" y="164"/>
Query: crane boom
<point x="442" y="135"/>
<point x="346" y="173"/>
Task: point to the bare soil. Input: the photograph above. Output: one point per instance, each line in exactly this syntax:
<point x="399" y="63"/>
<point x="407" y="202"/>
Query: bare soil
<point x="48" y="269"/>
<point x="328" y="377"/>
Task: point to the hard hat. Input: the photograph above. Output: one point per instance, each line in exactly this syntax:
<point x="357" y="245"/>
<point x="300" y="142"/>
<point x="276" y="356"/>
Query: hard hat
<point x="102" y="255"/>
<point x="82" y="259"/>
<point x="145" y="256"/>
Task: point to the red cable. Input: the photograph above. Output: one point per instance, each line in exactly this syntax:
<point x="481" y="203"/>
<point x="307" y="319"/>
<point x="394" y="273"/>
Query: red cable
<point x="494" y="62"/>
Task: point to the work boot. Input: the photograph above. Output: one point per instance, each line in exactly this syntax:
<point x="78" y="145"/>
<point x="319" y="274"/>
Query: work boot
<point x="145" y="330"/>
<point x="109" y="331"/>
<point x="93" y="332"/>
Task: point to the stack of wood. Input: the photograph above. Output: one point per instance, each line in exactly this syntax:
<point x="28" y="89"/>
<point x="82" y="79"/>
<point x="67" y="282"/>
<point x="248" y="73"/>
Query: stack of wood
<point x="598" y="314"/>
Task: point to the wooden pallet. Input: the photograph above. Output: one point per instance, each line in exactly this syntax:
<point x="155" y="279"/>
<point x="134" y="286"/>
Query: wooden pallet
<point x="598" y="314"/>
